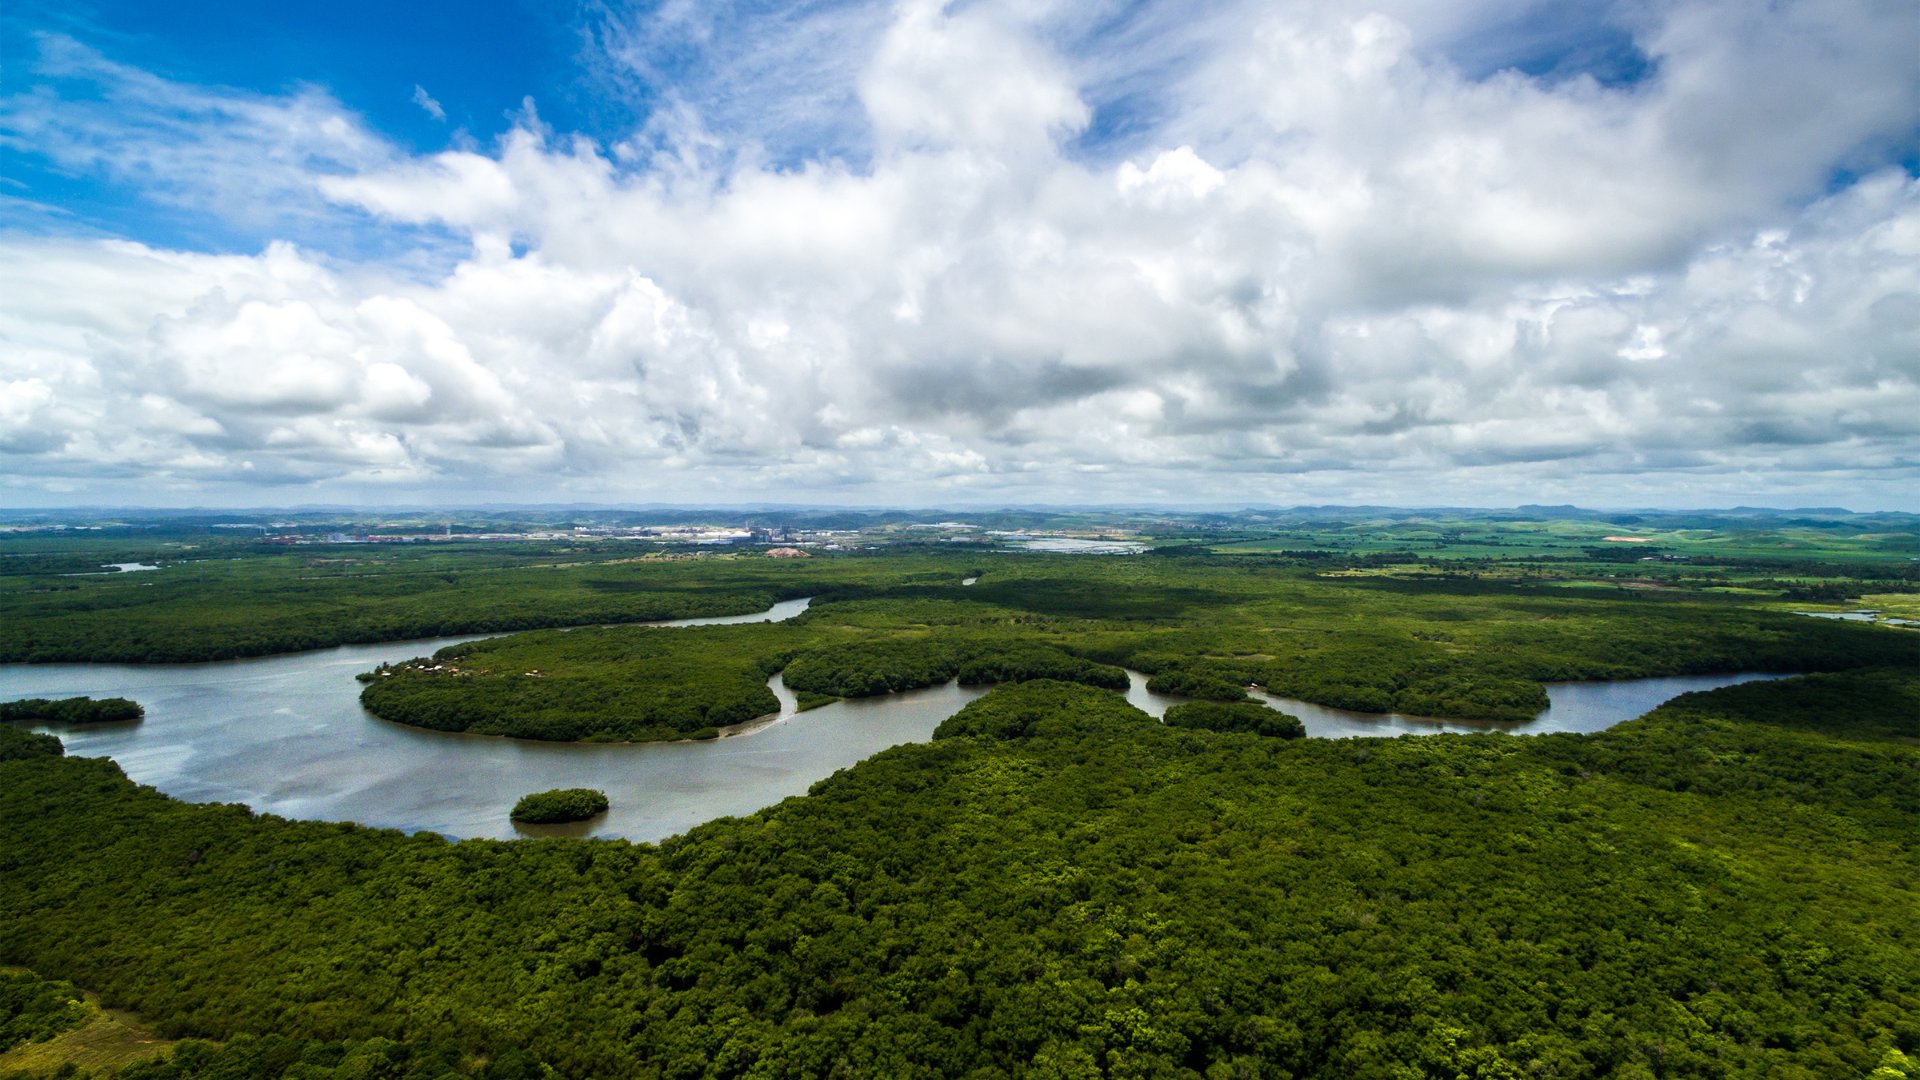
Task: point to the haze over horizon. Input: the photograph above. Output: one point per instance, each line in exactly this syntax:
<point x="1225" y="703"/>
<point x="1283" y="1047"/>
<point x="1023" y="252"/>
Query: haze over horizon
<point x="1114" y="512"/>
<point x="1419" y="252"/>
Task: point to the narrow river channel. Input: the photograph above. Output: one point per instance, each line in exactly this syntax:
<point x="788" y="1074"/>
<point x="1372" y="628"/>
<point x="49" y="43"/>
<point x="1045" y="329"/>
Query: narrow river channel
<point x="286" y="735"/>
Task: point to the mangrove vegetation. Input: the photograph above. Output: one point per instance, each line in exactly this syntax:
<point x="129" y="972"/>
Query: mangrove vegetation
<point x="1056" y="886"/>
<point x="559" y="806"/>
<point x="1204" y="628"/>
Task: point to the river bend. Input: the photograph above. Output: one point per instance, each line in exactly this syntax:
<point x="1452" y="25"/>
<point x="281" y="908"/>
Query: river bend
<point x="286" y="735"/>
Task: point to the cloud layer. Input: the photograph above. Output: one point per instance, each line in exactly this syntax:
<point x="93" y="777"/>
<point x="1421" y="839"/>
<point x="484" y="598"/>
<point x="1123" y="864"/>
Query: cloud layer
<point x="1297" y="252"/>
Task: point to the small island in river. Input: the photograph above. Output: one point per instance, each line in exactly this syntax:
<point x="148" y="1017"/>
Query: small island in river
<point x="559" y="806"/>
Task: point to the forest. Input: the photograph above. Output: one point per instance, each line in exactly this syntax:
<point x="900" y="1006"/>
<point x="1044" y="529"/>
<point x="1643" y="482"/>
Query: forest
<point x="16" y="745"/>
<point x="1056" y="886"/>
<point x="1201" y="627"/>
<point x="77" y="710"/>
<point x="221" y="592"/>
<point x="266" y="604"/>
<point x="560" y="805"/>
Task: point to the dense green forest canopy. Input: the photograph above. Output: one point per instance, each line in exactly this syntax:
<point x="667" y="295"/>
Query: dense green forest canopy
<point x="16" y="745"/>
<point x="1200" y="627"/>
<point x="1236" y="716"/>
<point x="1057" y="886"/>
<point x="235" y="584"/>
<point x="33" y="1009"/>
<point x="560" y="805"/>
<point x="278" y="602"/>
<point x="75" y="710"/>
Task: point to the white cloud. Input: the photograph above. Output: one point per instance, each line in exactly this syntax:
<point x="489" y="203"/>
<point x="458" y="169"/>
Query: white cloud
<point x="1337" y="268"/>
<point x="247" y="158"/>
<point x="967" y="80"/>
<point x="427" y="104"/>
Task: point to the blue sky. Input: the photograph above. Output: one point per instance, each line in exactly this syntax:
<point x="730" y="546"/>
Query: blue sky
<point x="437" y="73"/>
<point x="991" y="250"/>
<point x="477" y="62"/>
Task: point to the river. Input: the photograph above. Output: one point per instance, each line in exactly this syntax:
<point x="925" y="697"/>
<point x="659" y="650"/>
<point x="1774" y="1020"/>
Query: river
<point x="1582" y="707"/>
<point x="286" y="735"/>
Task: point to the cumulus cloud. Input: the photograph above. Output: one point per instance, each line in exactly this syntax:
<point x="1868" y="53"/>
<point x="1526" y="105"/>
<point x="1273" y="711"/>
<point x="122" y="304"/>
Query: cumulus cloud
<point x="1334" y="264"/>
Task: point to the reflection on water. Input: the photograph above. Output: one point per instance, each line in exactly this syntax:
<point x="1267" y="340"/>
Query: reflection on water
<point x="1065" y="545"/>
<point x="569" y="830"/>
<point x="1865" y="615"/>
<point x="1843" y="616"/>
<point x="1572" y="706"/>
<point x="116" y="568"/>
<point x="780" y="612"/>
<point x="286" y="735"/>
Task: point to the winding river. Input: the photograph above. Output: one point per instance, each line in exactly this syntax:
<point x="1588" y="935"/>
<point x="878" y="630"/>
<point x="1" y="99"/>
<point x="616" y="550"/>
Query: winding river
<point x="286" y="735"/>
<point x="1579" y="707"/>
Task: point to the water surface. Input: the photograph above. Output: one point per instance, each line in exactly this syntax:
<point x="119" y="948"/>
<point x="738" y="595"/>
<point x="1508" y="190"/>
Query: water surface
<point x="286" y="735"/>
<point x="1843" y="616"/>
<point x="1583" y="707"/>
<point x="1068" y="545"/>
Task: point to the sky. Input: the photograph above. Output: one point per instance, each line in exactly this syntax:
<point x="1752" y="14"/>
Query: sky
<point x="1413" y="252"/>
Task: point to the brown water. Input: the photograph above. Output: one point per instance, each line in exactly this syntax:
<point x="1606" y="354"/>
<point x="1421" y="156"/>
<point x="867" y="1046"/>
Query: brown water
<point x="286" y="735"/>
